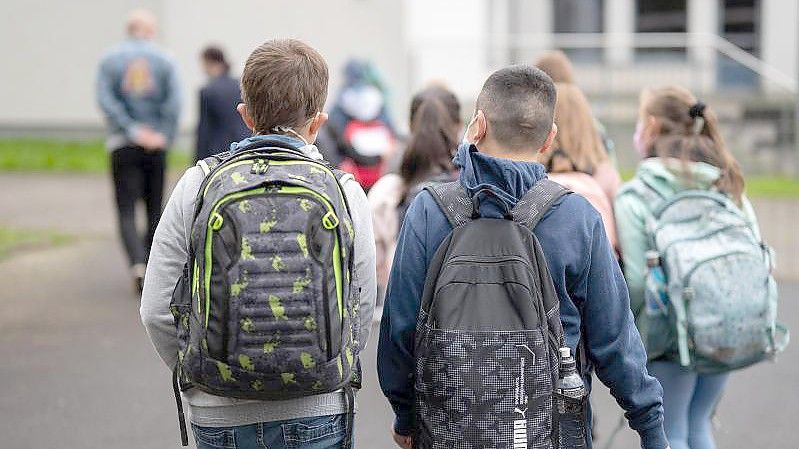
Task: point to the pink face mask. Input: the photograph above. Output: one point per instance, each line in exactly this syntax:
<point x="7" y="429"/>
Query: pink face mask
<point x="638" y="141"/>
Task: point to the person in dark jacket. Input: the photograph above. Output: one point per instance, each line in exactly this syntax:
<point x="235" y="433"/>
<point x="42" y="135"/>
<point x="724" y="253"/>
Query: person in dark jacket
<point x="219" y="123"/>
<point x="512" y="126"/>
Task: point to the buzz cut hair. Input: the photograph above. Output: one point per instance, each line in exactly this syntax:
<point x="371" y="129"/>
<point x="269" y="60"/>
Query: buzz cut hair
<point x="519" y="105"/>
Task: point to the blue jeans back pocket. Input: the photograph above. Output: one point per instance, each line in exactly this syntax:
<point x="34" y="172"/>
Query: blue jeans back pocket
<point x="214" y="438"/>
<point x="324" y="432"/>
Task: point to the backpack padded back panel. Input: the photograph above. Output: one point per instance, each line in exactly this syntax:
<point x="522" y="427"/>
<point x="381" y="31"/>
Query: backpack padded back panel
<point x="487" y="338"/>
<point x="269" y="310"/>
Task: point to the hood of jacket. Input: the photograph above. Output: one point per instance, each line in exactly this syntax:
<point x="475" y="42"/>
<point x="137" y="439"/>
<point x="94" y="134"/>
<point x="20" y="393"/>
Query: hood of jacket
<point x="669" y="176"/>
<point x="497" y="184"/>
<point x="308" y="150"/>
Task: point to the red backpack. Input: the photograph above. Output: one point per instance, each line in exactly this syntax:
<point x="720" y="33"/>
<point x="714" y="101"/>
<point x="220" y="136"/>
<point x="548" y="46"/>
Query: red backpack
<point x="368" y="144"/>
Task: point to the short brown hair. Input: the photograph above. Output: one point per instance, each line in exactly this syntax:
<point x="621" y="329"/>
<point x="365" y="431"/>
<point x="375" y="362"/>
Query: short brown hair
<point x="284" y="83"/>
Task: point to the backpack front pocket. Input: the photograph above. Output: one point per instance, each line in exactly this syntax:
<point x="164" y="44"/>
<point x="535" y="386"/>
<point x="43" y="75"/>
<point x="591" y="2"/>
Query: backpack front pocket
<point x="483" y="387"/>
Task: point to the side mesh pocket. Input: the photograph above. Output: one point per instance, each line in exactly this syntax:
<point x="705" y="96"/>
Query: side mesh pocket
<point x="658" y="331"/>
<point x="484" y="388"/>
<point x="180" y="306"/>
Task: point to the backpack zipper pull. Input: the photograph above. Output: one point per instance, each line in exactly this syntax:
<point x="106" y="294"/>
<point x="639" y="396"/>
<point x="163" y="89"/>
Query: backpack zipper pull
<point x="259" y="167"/>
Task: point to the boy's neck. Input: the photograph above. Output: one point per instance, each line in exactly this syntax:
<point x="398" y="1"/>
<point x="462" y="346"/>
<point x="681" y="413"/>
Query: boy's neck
<point x="491" y="148"/>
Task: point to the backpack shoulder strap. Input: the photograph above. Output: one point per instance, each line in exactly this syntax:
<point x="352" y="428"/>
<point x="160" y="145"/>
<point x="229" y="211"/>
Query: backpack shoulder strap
<point x="537" y="201"/>
<point x="647" y="193"/>
<point x="343" y="176"/>
<point x="211" y="162"/>
<point x="453" y="201"/>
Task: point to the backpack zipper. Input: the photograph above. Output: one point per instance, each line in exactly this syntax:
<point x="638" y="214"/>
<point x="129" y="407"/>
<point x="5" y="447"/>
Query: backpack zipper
<point x="699" y="237"/>
<point x="458" y="260"/>
<point x="690" y="273"/>
<point x="265" y="162"/>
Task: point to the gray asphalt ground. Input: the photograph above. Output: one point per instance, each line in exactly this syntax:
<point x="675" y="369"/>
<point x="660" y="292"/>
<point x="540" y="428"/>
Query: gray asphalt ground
<point x="77" y="370"/>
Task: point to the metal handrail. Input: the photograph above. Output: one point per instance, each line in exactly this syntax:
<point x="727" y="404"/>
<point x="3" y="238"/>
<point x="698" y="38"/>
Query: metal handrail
<point x="630" y="40"/>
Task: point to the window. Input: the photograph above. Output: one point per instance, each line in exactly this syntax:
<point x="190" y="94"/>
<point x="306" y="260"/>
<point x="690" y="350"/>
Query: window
<point x="740" y="21"/>
<point x="661" y="16"/>
<point x="579" y="16"/>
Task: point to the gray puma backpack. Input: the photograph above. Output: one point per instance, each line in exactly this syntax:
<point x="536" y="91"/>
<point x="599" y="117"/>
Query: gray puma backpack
<point x="488" y="330"/>
<point x="265" y="309"/>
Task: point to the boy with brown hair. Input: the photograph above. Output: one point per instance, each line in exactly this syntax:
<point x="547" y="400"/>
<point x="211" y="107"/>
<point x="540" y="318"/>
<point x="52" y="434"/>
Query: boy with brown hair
<point x="284" y="87"/>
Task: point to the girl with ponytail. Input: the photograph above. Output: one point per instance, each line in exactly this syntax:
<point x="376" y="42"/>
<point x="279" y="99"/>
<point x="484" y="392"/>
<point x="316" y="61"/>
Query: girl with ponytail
<point x="435" y="121"/>
<point x="678" y="140"/>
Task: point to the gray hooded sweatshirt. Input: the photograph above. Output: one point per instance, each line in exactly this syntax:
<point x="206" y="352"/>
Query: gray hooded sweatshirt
<point x="167" y="258"/>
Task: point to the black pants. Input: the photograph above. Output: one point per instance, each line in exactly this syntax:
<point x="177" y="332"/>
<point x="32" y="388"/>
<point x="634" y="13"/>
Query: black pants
<point x="138" y="175"/>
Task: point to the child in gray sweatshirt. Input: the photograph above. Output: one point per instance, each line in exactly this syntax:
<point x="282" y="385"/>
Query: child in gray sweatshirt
<point x="217" y="421"/>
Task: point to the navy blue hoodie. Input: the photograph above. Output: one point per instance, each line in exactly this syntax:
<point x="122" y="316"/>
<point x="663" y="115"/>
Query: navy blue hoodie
<point x="594" y="302"/>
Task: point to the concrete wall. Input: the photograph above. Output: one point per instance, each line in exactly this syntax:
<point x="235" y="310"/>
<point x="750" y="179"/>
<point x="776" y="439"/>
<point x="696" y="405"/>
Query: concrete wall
<point x="447" y="41"/>
<point x="778" y="34"/>
<point x="50" y="51"/>
<point x="339" y="29"/>
<point x="54" y="47"/>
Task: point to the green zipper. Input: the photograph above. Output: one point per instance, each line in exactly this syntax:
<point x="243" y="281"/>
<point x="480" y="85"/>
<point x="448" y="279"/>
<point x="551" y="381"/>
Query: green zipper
<point x="269" y="162"/>
<point x="208" y="243"/>
<point x="330" y="221"/>
<point x="318" y="165"/>
<point x="195" y="283"/>
<point x="224" y="169"/>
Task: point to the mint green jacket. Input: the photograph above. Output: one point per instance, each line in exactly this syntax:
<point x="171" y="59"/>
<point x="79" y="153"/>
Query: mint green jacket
<point x="668" y="177"/>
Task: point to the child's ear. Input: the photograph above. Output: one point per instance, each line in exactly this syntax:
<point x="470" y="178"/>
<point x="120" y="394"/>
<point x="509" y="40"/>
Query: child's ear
<point x="245" y="116"/>
<point x="316" y="125"/>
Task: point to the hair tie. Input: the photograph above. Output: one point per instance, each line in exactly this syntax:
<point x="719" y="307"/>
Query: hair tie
<point x="697" y="110"/>
<point x="697" y="113"/>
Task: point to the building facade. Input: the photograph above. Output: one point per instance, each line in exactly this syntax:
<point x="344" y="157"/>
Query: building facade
<point x="52" y="49"/>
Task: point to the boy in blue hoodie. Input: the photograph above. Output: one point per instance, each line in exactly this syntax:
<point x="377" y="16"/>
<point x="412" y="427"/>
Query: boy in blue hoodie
<point x="512" y="126"/>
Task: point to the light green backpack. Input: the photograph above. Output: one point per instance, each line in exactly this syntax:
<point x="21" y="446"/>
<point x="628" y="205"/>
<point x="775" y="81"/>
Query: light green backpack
<point x="710" y="298"/>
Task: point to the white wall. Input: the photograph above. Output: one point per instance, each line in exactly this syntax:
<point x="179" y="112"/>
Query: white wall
<point x="54" y="47"/>
<point x="448" y="43"/>
<point x="50" y="51"/>
<point x="339" y="29"/>
<point x="778" y="38"/>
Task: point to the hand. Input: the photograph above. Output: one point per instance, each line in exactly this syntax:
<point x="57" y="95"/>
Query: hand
<point x="149" y="139"/>
<point x="403" y="441"/>
<point x="158" y="142"/>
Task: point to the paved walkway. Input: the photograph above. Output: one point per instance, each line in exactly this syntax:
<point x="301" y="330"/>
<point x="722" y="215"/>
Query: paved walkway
<point x="79" y="373"/>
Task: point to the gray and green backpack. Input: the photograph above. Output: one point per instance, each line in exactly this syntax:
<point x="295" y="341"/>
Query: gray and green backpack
<point x="266" y="308"/>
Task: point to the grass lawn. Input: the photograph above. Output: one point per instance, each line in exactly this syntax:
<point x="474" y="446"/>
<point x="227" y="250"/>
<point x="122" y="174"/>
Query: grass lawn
<point x="772" y="187"/>
<point x="760" y="186"/>
<point x="48" y="155"/>
<point x="13" y="239"/>
<point x="65" y="156"/>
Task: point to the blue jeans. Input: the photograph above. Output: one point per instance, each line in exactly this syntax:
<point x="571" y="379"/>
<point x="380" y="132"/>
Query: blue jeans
<point x="324" y="432"/>
<point x="688" y="403"/>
